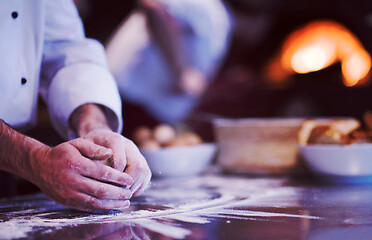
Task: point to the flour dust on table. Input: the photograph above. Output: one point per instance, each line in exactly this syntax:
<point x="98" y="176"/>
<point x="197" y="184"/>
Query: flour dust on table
<point x="168" y="202"/>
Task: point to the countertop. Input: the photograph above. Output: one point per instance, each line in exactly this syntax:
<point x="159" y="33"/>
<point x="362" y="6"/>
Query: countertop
<point x="211" y="206"/>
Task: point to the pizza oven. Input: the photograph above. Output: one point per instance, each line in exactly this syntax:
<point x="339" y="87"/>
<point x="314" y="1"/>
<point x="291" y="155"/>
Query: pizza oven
<point x="296" y="58"/>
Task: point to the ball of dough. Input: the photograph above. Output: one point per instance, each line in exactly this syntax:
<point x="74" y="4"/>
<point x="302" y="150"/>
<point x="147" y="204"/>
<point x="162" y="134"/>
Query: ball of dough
<point x="141" y="135"/>
<point x="150" y="145"/>
<point x="186" y="139"/>
<point x="164" y="133"/>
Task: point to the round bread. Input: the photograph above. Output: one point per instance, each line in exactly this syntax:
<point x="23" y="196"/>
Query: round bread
<point x="164" y="133"/>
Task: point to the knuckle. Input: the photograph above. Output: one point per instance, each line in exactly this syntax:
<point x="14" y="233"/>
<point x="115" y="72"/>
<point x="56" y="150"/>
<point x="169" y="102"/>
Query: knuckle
<point x="92" y="202"/>
<point x="129" y="142"/>
<point x="70" y="162"/>
<point x="127" y="194"/>
<point x="106" y="173"/>
<point x="142" y="167"/>
<point x="117" y="136"/>
<point x="107" y="138"/>
<point x="126" y="180"/>
<point x="102" y="192"/>
<point x="112" y="136"/>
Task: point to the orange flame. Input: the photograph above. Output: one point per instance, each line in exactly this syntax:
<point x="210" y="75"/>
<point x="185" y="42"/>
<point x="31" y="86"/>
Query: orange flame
<point x="317" y="46"/>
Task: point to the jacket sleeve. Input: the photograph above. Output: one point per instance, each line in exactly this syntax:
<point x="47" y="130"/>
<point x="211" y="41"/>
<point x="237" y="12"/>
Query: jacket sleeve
<point x="74" y="70"/>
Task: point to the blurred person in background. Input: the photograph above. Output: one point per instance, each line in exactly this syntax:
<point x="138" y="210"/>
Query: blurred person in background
<point x="164" y="55"/>
<point x="44" y="50"/>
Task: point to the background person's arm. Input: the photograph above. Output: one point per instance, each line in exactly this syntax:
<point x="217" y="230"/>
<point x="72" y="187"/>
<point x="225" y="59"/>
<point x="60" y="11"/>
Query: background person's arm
<point x="167" y="33"/>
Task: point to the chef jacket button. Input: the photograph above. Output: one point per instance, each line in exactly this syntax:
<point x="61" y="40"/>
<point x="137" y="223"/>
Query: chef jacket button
<point x="14" y="15"/>
<point x="23" y="81"/>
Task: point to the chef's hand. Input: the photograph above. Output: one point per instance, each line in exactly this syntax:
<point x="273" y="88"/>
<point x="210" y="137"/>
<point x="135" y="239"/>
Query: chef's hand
<point x="72" y="174"/>
<point x="125" y="157"/>
<point x="90" y="123"/>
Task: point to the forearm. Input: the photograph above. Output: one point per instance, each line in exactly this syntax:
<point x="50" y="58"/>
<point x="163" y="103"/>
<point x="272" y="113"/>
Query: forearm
<point x="17" y="151"/>
<point x="166" y="33"/>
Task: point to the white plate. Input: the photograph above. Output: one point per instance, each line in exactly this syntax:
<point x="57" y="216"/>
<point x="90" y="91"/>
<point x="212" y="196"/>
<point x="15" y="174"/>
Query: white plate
<point x="342" y="162"/>
<point x="180" y="161"/>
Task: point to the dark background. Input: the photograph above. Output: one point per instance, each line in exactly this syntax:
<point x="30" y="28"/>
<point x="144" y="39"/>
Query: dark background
<point x="239" y="89"/>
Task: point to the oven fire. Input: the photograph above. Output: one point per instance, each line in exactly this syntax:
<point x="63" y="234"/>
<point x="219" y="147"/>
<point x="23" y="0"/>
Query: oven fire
<point x="316" y="46"/>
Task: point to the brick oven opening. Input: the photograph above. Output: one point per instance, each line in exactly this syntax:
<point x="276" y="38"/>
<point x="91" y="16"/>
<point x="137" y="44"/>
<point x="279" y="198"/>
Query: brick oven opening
<point x="295" y="58"/>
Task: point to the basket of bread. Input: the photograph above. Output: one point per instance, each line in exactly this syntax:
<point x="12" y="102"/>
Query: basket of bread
<point x="258" y="145"/>
<point x="338" y="148"/>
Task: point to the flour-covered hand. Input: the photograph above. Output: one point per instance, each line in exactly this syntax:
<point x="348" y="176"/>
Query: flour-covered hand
<point x="71" y="174"/>
<point x="89" y="122"/>
<point x="125" y="157"/>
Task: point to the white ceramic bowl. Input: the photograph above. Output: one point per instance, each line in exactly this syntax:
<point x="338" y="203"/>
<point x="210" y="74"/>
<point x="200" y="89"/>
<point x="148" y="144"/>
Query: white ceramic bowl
<point x="340" y="161"/>
<point x="180" y="161"/>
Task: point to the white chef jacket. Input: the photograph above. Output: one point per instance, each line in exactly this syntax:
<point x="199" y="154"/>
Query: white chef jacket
<point x="143" y="74"/>
<point x="43" y="50"/>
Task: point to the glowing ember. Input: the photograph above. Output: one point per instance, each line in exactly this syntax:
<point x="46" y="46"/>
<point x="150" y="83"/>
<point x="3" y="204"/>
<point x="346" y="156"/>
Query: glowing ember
<point x="317" y="46"/>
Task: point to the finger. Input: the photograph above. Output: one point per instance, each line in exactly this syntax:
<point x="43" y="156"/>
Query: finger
<point x="108" y="174"/>
<point x="141" y="179"/>
<point x="85" y="202"/>
<point x="118" y="160"/>
<point x="104" y="173"/>
<point x="137" y="169"/>
<point x="140" y="185"/>
<point x="91" y="150"/>
<point x="116" y="142"/>
<point x="103" y="190"/>
<point x="145" y="184"/>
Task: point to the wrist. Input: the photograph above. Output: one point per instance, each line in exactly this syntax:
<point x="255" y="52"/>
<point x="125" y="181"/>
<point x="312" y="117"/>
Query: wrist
<point x="37" y="151"/>
<point x="87" y="118"/>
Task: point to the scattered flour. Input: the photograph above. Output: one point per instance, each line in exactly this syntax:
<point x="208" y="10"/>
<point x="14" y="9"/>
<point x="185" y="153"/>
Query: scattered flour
<point x="197" y="200"/>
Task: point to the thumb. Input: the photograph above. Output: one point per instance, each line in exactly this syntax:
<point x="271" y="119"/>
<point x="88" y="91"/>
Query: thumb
<point x="91" y="150"/>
